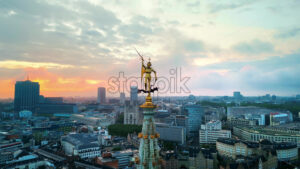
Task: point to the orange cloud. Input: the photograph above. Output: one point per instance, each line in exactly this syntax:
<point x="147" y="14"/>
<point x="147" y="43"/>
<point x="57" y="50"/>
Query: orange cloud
<point x="13" y="64"/>
<point x="52" y="84"/>
<point x="93" y="82"/>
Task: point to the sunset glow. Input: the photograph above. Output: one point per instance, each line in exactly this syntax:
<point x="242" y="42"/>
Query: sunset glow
<point x="72" y="47"/>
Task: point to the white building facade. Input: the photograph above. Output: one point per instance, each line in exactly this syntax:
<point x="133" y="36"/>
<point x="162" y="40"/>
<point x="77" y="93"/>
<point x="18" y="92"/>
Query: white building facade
<point x="211" y="131"/>
<point x="83" y="145"/>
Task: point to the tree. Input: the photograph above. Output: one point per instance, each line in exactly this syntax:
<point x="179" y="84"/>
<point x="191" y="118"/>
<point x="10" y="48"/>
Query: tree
<point x="118" y="148"/>
<point x="123" y="129"/>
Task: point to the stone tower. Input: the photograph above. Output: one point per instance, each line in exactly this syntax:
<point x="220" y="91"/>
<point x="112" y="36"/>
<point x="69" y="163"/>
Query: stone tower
<point x="149" y="149"/>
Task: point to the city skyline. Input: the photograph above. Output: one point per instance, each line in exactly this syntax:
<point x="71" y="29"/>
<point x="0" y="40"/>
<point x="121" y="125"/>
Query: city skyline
<point x="73" y="47"/>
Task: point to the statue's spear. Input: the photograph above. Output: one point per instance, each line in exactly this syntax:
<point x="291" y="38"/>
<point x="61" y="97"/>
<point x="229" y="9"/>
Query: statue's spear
<point x="139" y="55"/>
<point x="142" y="64"/>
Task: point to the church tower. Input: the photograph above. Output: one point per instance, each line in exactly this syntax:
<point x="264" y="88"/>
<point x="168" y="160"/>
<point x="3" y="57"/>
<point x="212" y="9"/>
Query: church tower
<point x="148" y="150"/>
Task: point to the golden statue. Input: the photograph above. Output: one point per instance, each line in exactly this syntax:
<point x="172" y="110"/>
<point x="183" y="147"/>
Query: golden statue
<point x="147" y="70"/>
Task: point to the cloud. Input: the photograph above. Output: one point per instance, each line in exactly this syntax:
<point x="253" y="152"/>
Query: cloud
<point x="254" y="47"/>
<point x="93" y="82"/>
<point x="13" y="64"/>
<point x="194" y="45"/>
<point x="84" y="42"/>
<point x="288" y="34"/>
<point x="221" y="6"/>
<point x="275" y="75"/>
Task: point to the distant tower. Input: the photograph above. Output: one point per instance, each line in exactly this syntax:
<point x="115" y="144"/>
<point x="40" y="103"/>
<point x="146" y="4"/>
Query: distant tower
<point x="101" y="95"/>
<point x="237" y="96"/>
<point x="26" y="95"/>
<point x="122" y="98"/>
<point x="133" y="95"/>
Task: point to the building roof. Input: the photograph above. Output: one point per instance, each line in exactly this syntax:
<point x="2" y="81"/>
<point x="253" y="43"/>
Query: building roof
<point x="251" y="144"/>
<point x="82" y="140"/>
<point x="227" y="141"/>
<point x="231" y="141"/>
<point x="267" y="131"/>
<point x="88" y="145"/>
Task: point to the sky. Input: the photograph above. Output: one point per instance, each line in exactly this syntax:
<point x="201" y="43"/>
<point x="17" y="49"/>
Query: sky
<point x="71" y="47"/>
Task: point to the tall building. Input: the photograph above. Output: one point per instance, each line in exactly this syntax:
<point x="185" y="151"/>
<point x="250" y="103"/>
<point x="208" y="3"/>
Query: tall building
<point x="237" y="95"/>
<point x="101" y="95"/>
<point x="122" y="98"/>
<point x="26" y="95"/>
<point x="133" y="95"/>
<point x="194" y="113"/>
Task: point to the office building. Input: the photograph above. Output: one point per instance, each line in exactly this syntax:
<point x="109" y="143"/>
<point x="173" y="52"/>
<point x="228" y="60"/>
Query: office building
<point x="122" y="98"/>
<point x="82" y="144"/>
<point x="280" y="118"/>
<point x="256" y="133"/>
<point x="194" y="113"/>
<point x="101" y="99"/>
<point x="133" y="95"/>
<point x="171" y="133"/>
<point x="177" y="120"/>
<point x="257" y="116"/>
<point x="43" y="99"/>
<point x="274" y="98"/>
<point x="246" y="110"/>
<point x="211" y="131"/>
<point x="56" y="108"/>
<point x="212" y="125"/>
<point x="26" y="95"/>
<point x="234" y="121"/>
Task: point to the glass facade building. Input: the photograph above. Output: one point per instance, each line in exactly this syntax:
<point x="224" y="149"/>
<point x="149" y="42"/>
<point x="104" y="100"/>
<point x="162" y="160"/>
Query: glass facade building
<point x="194" y="113"/>
<point x="26" y="95"/>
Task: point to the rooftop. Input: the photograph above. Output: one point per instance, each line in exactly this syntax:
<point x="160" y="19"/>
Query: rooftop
<point x="82" y="140"/>
<point x="267" y="130"/>
<point x="231" y="141"/>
